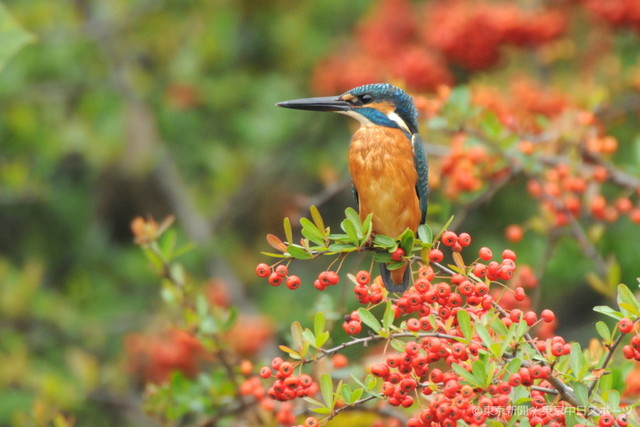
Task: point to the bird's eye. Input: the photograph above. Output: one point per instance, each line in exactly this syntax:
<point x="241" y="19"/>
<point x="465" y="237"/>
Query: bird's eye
<point x="366" y="98"/>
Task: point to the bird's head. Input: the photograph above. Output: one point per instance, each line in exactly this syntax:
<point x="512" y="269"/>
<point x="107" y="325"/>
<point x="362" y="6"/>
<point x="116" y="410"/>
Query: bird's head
<point x="378" y="104"/>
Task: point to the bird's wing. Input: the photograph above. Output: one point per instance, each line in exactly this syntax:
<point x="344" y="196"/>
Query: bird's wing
<point x="422" y="167"/>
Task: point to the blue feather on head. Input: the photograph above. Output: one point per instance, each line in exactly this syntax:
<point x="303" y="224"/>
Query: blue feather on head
<point x="378" y="92"/>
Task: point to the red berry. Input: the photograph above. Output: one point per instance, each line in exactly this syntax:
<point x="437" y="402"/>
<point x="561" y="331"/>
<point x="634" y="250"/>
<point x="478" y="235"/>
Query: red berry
<point x="319" y="285"/>
<point x="509" y="254"/>
<point x="263" y="270"/>
<point x="276" y="362"/>
<point x="606" y="420"/>
<point x="623" y="420"/>
<point x="293" y="282"/>
<point x="530" y="318"/>
<point x="380" y="370"/>
<point x="464" y="239"/>
<point x="547" y="316"/>
<point x="519" y="294"/>
<point x="282" y="270"/>
<point x="363" y="277"/>
<point x="628" y="352"/>
<point x="265" y="372"/>
<point x="352" y="327"/>
<point x="481" y="289"/>
<point x="625" y="325"/>
<point x="449" y="238"/>
<point x="397" y="254"/>
<point x="485" y="254"/>
<point x="311" y="422"/>
<point x="514" y="233"/>
<point x="515" y="380"/>
<point x="333" y="277"/>
<point x="413" y="324"/>
<point x="436" y="255"/>
<point x="285" y="369"/>
<point x="275" y="279"/>
<point x="407" y="401"/>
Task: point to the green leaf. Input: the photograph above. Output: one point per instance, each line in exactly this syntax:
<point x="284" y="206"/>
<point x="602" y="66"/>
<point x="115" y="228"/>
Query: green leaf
<point x="348" y="227"/>
<point x="506" y="342"/>
<point x="425" y="234"/>
<point x="319" y="323"/>
<point x="582" y="393"/>
<point x="326" y="389"/>
<point x="464" y="321"/>
<point x="485" y="337"/>
<point x="12" y="36"/>
<point x="608" y="311"/>
<point x="406" y="241"/>
<point x="603" y="330"/>
<point x="613" y="397"/>
<point x="288" y="233"/>
<point x="356" y="395"/>
<point x="492" y="126"/>
<point x="354" y="218"/>
<point x="317" y="219"/>
<point x="513" y="365"/>
<point x="291" y="352"/>
<point x="346" y="392"/>
<point x="298" y="253"/>
<point x="342" y="247"/>
<point x="370" y="382"/>
<point x="311" y="232"/>
<point x="480" y="371"/>
<point x="382" y="257"/>
<point x="398" y="345"/>
<point x="468" y="376"/>
<point x="384" y="241"/>
<point x="309" y="337"/>
<point x="626" y="296"/>
<point x="629" y="310"/>
<point x="396" y="265"/>
<point x="316" y="403"/>
<point x="369" y="319"/>
<point x="366" y="226"/>
<point x="576" y="360"/>
<point x="321" y="339"/>
<point x="389" y="316"/>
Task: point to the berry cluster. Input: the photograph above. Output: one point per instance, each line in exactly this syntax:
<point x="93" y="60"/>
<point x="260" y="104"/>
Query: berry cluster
<point x="464" y="169"/>
<point x="287" y="385"/>
<point x="365" y="294"/>
<point x="280" y="273"/>
<point x="389" y="45"/>
<point x="618" y="13"/>
<point x="434" y="369"/>
<point x="566" y="192"/>
<point x="472" y="36"/>
<point x="630" y="351"/>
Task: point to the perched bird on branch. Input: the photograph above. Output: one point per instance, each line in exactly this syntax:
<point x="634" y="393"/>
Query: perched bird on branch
<point x="387" y="161"/>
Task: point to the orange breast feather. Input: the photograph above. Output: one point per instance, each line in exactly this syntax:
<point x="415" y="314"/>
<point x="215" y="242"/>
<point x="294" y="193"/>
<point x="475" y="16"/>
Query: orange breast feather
<point x="384" y="175"/>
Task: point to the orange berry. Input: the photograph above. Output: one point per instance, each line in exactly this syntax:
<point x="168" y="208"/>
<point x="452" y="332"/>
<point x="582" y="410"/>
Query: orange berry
<point x="514" y="233"/>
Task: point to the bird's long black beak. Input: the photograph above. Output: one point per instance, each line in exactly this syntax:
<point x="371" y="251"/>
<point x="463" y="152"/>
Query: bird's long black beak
<point x="325" y="103"/>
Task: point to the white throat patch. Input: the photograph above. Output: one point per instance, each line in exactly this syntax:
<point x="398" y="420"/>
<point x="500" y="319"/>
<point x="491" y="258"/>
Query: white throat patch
<point x="396" y="118"/>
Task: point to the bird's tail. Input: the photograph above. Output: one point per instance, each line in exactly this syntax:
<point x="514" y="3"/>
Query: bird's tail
<point x="395" y="280"/>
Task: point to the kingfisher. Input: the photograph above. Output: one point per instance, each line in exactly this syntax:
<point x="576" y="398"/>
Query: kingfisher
<point x="387" y="161"/>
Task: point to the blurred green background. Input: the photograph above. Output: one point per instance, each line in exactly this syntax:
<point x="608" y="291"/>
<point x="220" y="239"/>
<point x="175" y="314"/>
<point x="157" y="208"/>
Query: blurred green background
<point x="121" y="108"/>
